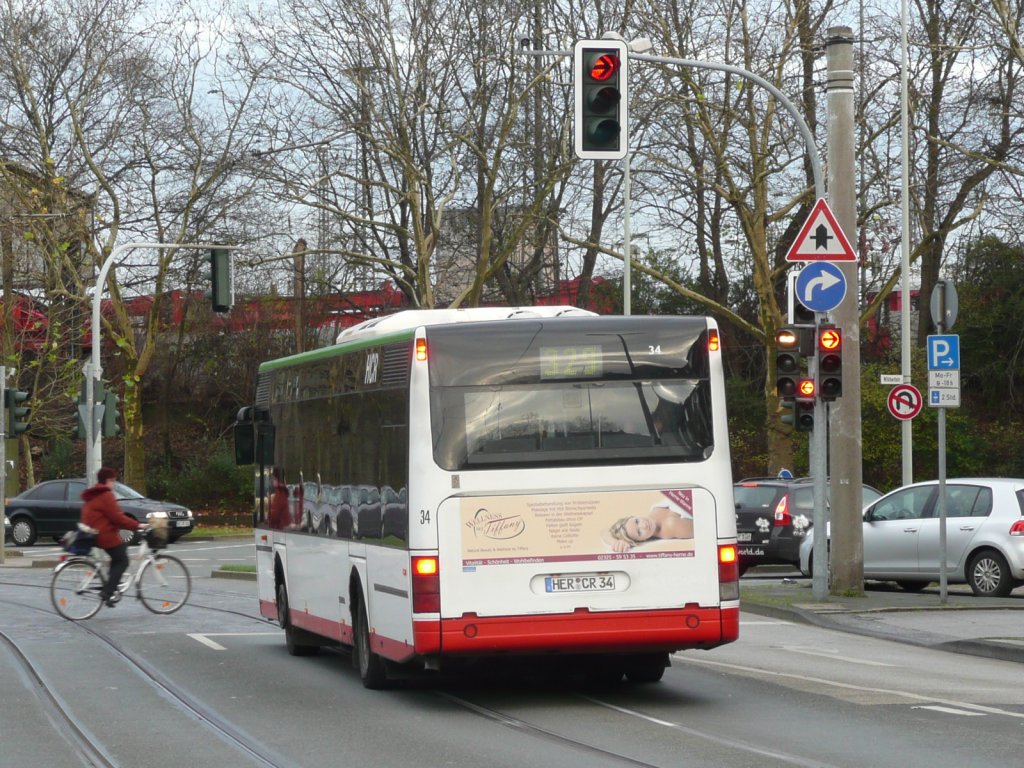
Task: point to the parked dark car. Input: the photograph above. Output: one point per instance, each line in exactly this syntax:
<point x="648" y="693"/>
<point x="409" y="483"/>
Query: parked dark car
<point x="53" y="508"/>
<point x="774" y="516"/>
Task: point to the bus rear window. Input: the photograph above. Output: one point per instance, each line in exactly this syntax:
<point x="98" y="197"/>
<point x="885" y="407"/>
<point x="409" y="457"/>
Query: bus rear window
<point x="535" y="393"/>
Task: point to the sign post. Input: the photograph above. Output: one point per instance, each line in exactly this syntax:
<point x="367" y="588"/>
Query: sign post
<point x="944" y="365"/>
<point x="943" y="393"/>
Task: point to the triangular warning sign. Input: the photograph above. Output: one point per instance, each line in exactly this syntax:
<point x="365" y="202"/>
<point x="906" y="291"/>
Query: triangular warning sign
<point x="821" y="238"/>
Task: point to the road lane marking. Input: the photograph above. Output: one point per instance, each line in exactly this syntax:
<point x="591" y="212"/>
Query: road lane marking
<point x="833" y="655"/>
<point x="733" y="743"/>
<point x="950" y="710"/>
<point x="764" y="673"/>
<point x="204" y="637"/>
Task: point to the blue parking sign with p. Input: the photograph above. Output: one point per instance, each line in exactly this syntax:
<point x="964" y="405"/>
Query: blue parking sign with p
<point x="944" y="352"/>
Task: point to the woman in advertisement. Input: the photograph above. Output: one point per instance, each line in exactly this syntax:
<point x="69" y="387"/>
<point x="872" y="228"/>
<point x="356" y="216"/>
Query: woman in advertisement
<point x="661" y="522"/>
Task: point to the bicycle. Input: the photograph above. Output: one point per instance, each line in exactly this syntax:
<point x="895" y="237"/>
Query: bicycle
<point x="161" y="581"/>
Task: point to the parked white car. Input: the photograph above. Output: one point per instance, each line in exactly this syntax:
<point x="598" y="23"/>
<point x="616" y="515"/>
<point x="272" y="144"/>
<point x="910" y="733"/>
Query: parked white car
<point x="984" y="536"/>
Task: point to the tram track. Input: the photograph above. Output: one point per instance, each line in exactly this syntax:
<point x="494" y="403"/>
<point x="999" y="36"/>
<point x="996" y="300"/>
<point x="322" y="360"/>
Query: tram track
<point x="90" y="749"/>
<point x="261" y="756"/>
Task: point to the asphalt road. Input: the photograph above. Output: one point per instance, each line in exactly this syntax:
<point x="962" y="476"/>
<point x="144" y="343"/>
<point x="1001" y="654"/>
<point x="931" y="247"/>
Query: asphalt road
<point x="214" y="685"/>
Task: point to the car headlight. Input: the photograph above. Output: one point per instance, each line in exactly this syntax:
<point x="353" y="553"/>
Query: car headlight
<point x="188" y="513"/>
<point x="160" y="515"/>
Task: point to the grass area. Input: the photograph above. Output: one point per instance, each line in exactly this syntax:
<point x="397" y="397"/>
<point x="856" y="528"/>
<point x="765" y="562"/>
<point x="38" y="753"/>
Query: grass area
<point x="238" y="568"/>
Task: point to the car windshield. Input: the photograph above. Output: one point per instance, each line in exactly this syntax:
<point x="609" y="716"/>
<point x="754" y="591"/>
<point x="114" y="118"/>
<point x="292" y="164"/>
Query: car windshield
<point x="122" y="491"/>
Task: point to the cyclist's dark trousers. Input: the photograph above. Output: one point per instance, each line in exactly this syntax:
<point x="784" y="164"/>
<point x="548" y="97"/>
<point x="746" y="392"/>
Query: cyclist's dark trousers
<point x="118" y="565"/>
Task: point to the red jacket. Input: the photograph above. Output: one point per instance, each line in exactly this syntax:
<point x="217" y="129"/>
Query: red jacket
<point x="101" y="512"/>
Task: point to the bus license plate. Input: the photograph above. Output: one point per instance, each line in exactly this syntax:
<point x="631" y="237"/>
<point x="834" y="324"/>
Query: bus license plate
<point x="580" y="582"/>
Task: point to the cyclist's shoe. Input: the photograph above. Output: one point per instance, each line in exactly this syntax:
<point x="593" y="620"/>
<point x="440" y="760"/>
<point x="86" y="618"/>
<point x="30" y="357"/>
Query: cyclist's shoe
<point x="111" y="601"/>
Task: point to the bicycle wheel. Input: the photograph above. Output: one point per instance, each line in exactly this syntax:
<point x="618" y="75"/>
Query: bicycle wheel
<point x="164" y="584"/>
<point x="75" y="589"/>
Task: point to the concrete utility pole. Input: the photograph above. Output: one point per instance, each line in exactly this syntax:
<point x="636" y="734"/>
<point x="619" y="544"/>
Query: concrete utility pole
<point x="846" y="564"/>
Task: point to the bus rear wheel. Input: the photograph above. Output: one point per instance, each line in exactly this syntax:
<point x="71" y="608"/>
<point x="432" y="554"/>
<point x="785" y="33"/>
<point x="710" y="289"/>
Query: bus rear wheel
<point x="370" y="665"/>
<point x="646" y="667"/>
<point x="296" y="640"/>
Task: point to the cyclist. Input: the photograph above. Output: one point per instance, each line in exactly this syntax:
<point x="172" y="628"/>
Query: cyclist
<point x="102" y="513"/>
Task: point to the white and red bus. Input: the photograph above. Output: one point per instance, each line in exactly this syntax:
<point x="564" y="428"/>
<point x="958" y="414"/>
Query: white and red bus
<point x="444" y="485"/>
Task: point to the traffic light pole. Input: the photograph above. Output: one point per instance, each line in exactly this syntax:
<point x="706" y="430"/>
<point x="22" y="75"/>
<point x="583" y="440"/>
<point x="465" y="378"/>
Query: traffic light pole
<point x="94" y="369"/>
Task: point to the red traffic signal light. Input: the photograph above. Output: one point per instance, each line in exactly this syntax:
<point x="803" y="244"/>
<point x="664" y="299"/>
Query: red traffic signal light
<point x="601" y="104"/>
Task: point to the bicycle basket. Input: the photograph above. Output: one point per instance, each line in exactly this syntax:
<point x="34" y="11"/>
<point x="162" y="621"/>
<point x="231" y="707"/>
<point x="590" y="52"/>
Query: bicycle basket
<point x="156" y="538"/>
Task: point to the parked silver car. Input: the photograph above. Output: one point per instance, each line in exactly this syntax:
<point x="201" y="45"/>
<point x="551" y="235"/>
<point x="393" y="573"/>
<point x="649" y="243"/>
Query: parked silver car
<point x="984" y="536"/>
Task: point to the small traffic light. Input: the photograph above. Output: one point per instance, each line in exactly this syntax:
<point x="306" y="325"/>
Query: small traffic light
<point x="222" y="279"/>
<point x="830" y="362"/>
<point x="787" y="361"/>
<point x="16" y="412"/>
<point x="601" y="99"/>
<point x="110" y="415"/>
<point x="804" y="411"/>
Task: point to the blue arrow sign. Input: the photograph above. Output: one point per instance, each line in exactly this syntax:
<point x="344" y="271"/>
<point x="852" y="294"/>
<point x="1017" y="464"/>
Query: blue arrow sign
<point x="821" y="286"/>
<point x="944" y="352"/>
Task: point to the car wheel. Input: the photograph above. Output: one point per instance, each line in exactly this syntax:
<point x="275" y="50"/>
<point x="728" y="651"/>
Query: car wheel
<point x="23" y="532"/>
<point x="989" y="575"/>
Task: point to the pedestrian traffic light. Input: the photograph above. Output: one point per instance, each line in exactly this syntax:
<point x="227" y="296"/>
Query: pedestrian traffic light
<point x="110" y="415"/>
<point x="222" y="279"/>
<point x="17" y="414"/>
<point x="787" y="361"/>
<point x="830" y="362"/>
<point x="601" y="99"/>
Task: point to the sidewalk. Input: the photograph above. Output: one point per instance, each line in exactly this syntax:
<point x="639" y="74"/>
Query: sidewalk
<point x="991" y="627"/>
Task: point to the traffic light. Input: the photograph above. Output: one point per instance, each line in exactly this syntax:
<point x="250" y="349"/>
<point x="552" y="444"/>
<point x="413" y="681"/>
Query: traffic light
<point x="16" y="412"/>
<point x="78" y="431"/>
<point x="601" y="99"/>
<point x="222" y="279"/>
<point x="802" y="407"/>
<point x="787" y="361"/>
<point x="805" y="405"/>
<point x="110" y="415"/>
<point x="830" y="362"/>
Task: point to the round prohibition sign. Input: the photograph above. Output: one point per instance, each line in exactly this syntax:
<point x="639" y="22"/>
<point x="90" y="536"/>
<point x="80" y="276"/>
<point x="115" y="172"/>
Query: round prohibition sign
<point x="905" y="401"/>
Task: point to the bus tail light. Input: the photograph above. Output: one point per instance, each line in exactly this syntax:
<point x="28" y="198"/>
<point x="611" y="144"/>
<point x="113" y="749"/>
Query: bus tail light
<point x="728" y="572"/>
<point x="421" y="349"/>
<point x="782" y="516"/>
<point x="426" y="585"/>
<point x="714" y="343"/>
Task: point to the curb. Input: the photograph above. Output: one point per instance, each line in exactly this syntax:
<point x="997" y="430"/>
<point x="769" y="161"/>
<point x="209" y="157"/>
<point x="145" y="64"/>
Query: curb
<point x="237" y="575"/>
